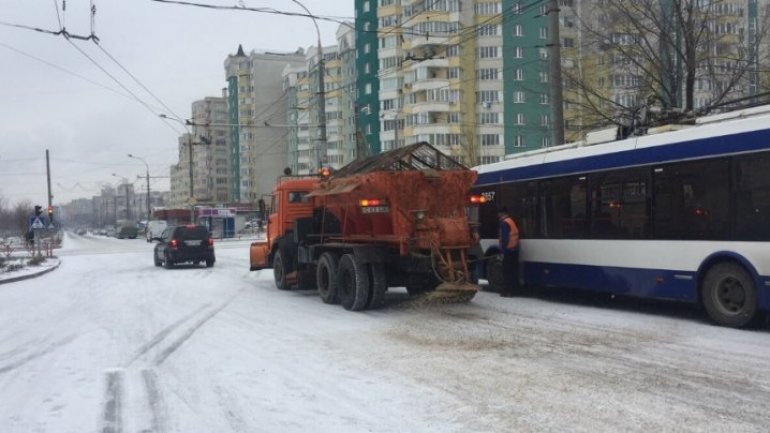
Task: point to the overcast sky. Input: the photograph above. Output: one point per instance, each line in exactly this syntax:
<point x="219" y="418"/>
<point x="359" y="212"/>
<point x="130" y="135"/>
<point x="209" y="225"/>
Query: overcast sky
<point x="53" y="97"/>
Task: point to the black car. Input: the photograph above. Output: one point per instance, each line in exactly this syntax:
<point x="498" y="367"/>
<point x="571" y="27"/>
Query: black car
<point x="188" y="243"/>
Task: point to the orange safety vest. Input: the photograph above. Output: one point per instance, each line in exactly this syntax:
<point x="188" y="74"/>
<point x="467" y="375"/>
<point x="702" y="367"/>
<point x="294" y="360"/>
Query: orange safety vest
<point x="513" y="233"/>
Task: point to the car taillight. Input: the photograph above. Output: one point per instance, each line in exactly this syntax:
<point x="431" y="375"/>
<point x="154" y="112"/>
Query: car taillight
<point x="211" y="242"/>
<point x="173" y="243"/>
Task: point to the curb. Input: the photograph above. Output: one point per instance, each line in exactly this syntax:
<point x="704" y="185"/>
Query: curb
<point x="28" y="276"/>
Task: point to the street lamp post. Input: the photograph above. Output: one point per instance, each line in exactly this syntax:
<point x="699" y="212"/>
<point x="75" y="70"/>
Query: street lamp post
<point x="321" y="151"/>
<point x="147" y="166"/>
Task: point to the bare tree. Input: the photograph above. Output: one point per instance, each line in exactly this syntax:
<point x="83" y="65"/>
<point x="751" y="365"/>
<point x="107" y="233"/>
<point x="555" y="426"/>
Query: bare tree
<point x="675" y="57"/>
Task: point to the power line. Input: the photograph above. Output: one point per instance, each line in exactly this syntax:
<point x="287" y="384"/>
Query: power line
<point x="45" y="62"/>
<point x="334" y="19"/>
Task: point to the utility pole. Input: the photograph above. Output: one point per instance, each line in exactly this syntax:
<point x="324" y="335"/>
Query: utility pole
<point x="192" y="197"/>
<point x="48" y="176"/>
<point x="321" y="150"/>
<point x="557" y="105"/>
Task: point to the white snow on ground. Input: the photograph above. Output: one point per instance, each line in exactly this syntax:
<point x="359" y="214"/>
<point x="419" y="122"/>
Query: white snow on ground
<point x="109" y="343"/>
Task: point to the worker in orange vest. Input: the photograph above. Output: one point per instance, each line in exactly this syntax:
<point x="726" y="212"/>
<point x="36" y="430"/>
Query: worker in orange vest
<point x="509" y="246"/>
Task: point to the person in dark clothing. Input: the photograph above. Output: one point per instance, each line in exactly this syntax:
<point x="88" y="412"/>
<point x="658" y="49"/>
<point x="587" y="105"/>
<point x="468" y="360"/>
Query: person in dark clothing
<point x="509" y="246"/>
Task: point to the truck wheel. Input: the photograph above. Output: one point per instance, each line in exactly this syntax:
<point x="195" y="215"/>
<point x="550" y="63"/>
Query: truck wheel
<point x="353" y="280"/>
<point x="279" y="271"/>
<point x="326" y="278"/>
<point x="729" y="295"/>
<point x="379" y="284"/>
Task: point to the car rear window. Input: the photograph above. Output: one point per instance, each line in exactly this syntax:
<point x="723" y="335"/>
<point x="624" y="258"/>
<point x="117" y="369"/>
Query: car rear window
<point x="197" y="232"/>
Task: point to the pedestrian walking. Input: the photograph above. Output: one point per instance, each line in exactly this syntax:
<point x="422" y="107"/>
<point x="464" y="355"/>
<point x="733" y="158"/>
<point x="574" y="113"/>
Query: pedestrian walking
<point x="509" y="246"/>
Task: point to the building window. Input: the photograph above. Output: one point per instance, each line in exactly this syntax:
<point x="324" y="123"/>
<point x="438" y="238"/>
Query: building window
<point x="487" y="74"/>
<point x="543" y="32"/>
<point x="518" y="74"/>
<point x="519" y="119"/>
<point x="489" y="139"/>
<point x="487" y="52"/>
<point x="518" y="52"/>
<point x="518" y="141"/>
<point x="518" y="97"/>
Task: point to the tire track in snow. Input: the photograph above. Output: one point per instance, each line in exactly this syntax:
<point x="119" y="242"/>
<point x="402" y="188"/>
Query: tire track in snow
<point x="36" y="354"/>
<point x="163" y="334"/>
<point x="176" y="344"/>
<point x="113" y="402"/>
<point x="112" y="419"/>
<point x="157" y="405"/>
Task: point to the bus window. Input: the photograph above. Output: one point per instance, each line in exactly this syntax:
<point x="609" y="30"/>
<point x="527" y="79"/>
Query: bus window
<point x="563" y="208"/>
<point x="619" y="204"/>
<point x="519" y="198"/>
<point x="691" y="200"/>
<point x="752" y="203"/>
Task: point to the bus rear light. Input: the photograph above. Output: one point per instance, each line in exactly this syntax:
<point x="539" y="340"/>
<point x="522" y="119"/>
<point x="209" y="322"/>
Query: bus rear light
<point x="478" y="199"/>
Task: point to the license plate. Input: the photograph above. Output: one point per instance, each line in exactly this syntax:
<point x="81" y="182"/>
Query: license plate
<point x="193" y="243"/>
<point x="375" y="209"/>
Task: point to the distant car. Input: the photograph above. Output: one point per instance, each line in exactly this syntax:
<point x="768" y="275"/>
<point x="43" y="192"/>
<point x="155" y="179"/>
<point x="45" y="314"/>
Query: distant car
<point x="126" y="229"/>
<point x="188" y="243"/>
<point x="155" y="229"/>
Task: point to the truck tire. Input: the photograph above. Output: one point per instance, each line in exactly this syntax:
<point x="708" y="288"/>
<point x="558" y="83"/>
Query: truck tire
<point x="729" y="295"/>
<point x="353" y="283"/>
<point x="378" y="283"/>
<point x="279" y="270"/>
<point x="326" y="278"/>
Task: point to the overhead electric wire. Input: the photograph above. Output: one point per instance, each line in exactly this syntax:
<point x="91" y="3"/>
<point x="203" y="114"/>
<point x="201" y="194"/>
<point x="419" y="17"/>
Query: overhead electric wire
<point x="45" y="62"/>
<point x="334" y="19"/>
<point x="58" y="16"/>
<point x="111" y="57"/>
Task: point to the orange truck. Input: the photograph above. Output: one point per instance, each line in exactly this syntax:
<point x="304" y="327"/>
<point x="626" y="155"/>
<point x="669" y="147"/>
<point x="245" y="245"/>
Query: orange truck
<point x="396" y="219"/>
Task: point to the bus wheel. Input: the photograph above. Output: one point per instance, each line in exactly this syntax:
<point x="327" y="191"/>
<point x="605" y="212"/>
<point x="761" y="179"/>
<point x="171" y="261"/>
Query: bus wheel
<point x="495" y="275"/>
<point x="326" y="277"/>
<point x="729" y="295"/>
<point x="353" y="283"/>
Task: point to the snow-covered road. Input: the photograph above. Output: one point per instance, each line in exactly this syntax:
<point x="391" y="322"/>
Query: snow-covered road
<point x="109" y="343"/>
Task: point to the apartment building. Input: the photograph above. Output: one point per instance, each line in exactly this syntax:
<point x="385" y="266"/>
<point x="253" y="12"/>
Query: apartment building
<point x="256" y="104"/>
<point x="212" y="163"/>
<point x="310" y="147"/>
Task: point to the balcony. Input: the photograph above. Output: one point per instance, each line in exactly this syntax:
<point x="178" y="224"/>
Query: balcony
<point x="430" y="84"/>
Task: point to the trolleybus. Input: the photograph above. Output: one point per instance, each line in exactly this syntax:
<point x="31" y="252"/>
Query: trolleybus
<point x="681" y="215"/>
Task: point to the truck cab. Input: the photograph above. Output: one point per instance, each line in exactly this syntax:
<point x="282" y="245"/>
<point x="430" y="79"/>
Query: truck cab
<point x="288" y="201"/>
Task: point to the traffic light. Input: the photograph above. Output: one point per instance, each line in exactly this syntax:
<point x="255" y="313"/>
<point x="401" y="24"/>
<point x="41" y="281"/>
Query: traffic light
<point x="50" y="213"/>
<point x="38" y="210"/>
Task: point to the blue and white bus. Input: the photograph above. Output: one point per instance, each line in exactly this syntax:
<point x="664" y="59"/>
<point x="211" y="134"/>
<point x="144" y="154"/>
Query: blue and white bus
<point x="681" y="215"/>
